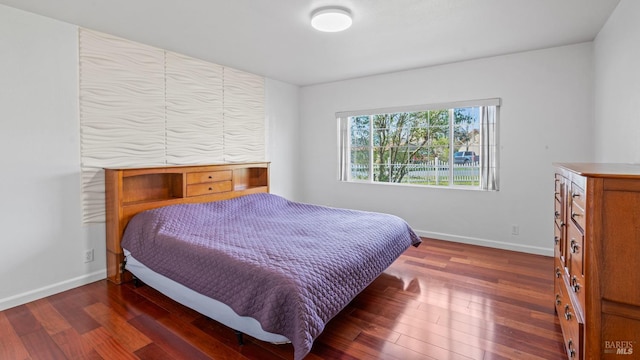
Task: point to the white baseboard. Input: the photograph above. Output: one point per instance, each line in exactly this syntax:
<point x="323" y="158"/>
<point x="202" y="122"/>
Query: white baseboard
<point x="488" y="243"/>
<point x="48" y="290"/>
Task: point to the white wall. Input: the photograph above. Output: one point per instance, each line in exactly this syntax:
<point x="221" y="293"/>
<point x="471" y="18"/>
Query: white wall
<point x="546" y="116"/>
<point x="617" y="86"/>
<point x="43" y="239"/>
<point x="282" y="144"/>
<point x="40" y="216"/>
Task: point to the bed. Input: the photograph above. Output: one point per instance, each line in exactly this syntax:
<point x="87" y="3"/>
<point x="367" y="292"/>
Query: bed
<point x="263" y="265"/>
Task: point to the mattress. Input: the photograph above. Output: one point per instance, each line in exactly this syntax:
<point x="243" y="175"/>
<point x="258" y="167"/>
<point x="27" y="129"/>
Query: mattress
<point x="288" y="265"/>
<point x="200" y="303"/>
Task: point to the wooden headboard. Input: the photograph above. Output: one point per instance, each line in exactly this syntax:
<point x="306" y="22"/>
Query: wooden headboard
<point x="132" y="190"/>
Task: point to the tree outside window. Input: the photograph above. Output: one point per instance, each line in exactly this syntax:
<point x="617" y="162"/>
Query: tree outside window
<point x="415" y="147"/>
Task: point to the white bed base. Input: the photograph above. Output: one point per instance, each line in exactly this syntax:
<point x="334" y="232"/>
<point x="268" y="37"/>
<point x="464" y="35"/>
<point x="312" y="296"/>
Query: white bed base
<point x="214" y="309"/>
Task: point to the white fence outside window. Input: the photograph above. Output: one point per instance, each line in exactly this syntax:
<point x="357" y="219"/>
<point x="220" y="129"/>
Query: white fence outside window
<point x="435" y="172"/>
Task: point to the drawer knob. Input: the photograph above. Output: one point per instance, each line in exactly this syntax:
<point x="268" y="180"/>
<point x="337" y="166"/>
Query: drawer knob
<point x="567" y="312"/>
<point x="210" y="189"/>
<point x="575" y="215"/>
<point x="558" y="301"/>
<point x="575" y="195"/>
<point x="557" y="214"/>
<point x="558" y="272"/>
<point x="572" y="351"/>
<point x="574" y="284"/>
<point x="210" y="177"/>
<point x="556" y="240"/>
<point x="574" y="246"/>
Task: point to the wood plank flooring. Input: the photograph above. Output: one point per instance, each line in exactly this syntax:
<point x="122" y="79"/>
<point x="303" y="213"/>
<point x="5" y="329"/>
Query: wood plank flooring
<point x="442" y="300"/>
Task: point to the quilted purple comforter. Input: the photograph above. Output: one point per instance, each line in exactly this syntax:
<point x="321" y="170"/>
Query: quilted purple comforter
<point x="291" y="266"/>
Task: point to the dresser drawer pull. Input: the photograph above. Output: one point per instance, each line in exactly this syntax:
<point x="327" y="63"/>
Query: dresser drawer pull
<point x="575" y="195"/>
<point x="558" y="273"/>
<point x="575" y="215"/>
<point x="210" y="177"/>
<point x="574" y="246"/>
<point x="572" y="351"/>
<point x="210" y="189"/>
<point x="558" y="301"/>
<point x="574" y="284"/>
<point x="557" y="214"/>
<point x="562" y="223"/>
<point x="556" y="240"/>
<point x="567" y="312"/>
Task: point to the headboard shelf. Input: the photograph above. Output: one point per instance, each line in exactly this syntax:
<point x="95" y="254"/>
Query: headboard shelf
<point x="152" y="187"/>
<point x="129" y="191"/>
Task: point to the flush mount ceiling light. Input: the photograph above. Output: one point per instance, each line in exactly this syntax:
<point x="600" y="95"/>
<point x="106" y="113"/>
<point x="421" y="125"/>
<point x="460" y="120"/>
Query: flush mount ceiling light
<point x="331" y="19"/>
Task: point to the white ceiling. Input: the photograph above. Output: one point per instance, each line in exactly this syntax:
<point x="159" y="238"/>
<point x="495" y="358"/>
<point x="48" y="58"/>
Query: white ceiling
<point x="273" y="37"/>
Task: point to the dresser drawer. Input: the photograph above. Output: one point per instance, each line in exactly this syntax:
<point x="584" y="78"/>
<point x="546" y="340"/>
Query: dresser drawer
<point x="573" y="344"/>
<point x="209" y="188"/>
<point x="559" y="182"/>
<point x="577" y="205"/>
<point x="558" y="213"/>
<point x="558" y="276"/>
<point x="575" y="248"/>
<point x="571" y="323"/>
<point x="208" y="176"/>
<point x="559" y="246"/>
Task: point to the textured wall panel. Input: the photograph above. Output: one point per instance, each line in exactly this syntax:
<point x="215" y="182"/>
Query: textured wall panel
<point x="93" y="194"/>
<point x="143" y="106"/>
<point x="244" y="116"/>
<point x="122" y="120"/>
<point x="193" y="110"/>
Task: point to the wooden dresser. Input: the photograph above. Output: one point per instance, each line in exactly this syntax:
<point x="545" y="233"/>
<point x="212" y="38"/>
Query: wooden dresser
<point x="132" y="190"/>
<point x="597" y="259"/>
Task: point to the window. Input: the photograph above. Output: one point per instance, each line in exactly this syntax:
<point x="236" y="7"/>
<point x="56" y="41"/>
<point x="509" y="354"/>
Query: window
<point x="447" y="145"/>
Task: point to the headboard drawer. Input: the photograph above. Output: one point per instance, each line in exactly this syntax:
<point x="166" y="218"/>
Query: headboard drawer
<point x="209" y="188"/>
<point x="208" y="176"/>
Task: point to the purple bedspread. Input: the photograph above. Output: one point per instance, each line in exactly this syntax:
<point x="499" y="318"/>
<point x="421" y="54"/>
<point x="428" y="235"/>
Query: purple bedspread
<point x="291" y="266"/>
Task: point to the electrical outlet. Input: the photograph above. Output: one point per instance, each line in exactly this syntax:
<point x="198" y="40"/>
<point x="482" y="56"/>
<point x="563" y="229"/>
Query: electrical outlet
<point x="88" y="255"/>
<point x="515" y="229"/>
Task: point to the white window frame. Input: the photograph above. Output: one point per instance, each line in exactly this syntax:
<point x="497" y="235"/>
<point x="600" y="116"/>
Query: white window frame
<point x="489" y="114"/>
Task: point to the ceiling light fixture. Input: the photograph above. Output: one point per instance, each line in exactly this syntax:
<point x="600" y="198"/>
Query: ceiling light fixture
<point x="331" y="19"/>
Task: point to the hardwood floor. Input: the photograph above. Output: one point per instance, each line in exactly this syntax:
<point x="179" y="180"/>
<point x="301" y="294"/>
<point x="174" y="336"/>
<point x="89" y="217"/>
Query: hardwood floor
<point x="439" y="301"/>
